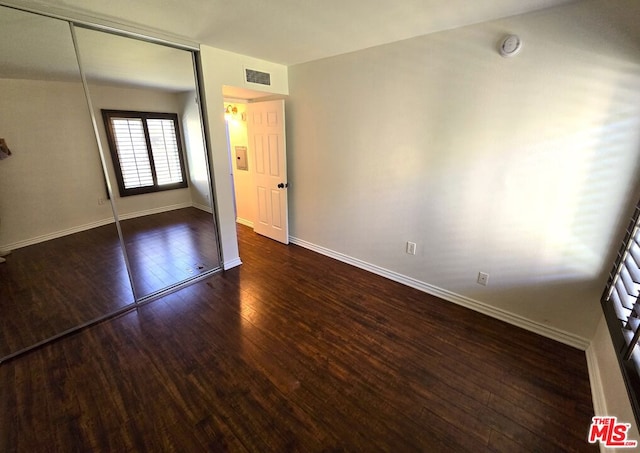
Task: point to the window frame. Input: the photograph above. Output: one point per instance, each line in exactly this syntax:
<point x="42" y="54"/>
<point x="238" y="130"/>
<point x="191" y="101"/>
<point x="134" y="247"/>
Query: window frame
<point x="622" y="346"/>
<point x="107" y="115"/>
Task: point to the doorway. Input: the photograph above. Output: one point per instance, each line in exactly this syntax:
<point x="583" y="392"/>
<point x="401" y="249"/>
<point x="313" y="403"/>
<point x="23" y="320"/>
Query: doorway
<point x="257" y="152"/>
<point x="242" y="168"/>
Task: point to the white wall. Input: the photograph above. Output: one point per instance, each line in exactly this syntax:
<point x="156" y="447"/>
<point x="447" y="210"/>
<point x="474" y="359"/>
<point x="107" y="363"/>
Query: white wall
<point x="518" y="167"/>
<point x="53" y="180"/>
<point x="195" y="151"/>
<point x="222" y="68"/>
<point x="243" y="180"/>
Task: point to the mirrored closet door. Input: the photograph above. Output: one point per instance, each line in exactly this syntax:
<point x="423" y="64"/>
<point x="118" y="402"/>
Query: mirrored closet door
<point x="97" y="218"/>
<point x="66" y="267"/>
<point x="145" y="101"/>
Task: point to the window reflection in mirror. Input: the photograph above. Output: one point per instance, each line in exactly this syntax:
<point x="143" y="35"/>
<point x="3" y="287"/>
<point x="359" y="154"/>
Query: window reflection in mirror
<point x="169" y="235"/>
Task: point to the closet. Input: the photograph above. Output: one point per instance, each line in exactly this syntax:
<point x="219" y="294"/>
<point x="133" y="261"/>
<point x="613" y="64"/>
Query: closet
<point x="85" y="245"/>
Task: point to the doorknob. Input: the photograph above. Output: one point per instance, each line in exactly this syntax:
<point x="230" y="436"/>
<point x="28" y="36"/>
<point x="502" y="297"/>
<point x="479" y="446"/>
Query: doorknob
<point x="283" y="185"/>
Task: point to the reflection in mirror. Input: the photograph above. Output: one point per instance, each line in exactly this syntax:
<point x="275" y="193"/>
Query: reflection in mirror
<point x="66" y="267"/>
<point x="145" y="102"/>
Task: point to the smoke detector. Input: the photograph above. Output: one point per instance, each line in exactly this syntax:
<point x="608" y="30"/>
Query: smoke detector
<point x="510" y="45"/>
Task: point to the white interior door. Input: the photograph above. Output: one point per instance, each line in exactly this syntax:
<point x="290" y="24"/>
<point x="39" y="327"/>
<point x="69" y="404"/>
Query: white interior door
<point x="266" y="133"/>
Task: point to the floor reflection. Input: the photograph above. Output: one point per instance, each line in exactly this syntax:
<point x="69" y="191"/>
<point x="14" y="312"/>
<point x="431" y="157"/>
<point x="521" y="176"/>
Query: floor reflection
<point x="53" y="286"/>
<point x="167" y="248"/>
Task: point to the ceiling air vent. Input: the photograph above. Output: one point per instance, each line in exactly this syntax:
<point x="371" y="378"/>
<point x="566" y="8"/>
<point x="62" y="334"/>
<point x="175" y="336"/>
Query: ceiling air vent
<point x="253" y="76"/>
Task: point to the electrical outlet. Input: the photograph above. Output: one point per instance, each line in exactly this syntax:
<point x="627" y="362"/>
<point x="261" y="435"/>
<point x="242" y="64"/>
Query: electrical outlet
<point x="483" y="278"/>
<point x="411" y="248"/>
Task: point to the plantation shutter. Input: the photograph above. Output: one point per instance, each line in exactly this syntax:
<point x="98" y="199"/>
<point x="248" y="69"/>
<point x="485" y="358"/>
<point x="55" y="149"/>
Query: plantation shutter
<point x="131" y="146"/>
<point x="624" y="288"/>
<point x="622" y="309"/>
<point x="166" y="156"/>
<point x="146" y="151"/>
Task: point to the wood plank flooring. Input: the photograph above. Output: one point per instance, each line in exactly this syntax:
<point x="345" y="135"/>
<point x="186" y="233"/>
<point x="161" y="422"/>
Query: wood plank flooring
<point x="169" y="247"/>
<point x="53" y="286"/>
<point x="294" y="351"/>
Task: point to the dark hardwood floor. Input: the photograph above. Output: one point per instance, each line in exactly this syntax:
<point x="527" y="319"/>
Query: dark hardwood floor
<point x="294" y="351"/>
<point x="53" y="286"/>
<point x="169" y="247"/>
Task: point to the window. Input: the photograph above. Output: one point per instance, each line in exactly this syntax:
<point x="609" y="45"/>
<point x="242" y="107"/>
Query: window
<point x="622" y="309"/>
<point x="146" y="151"/>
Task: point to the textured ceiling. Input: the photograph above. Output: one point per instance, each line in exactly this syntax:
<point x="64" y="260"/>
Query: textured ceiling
<point x="296" y="31"/>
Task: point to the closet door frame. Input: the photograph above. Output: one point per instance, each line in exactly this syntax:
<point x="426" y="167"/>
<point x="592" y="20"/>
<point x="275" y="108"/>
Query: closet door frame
<point x="174" y="42"/>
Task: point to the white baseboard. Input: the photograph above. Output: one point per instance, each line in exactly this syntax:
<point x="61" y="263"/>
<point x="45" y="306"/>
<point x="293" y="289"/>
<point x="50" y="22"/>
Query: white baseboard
<point x="231" y="264"/>
<point x="172" y="207"/>
<point x="203" y="207"/>
<point x="89" y="226"/>
<point x="56" y="234"/>
<point x="597" y="388"/>
<point x="597" y="391"/>
<point x="244" y="222"/>
<point x="503" y="315"/>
